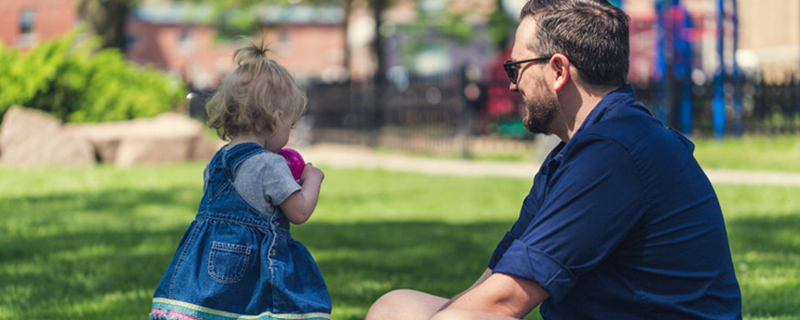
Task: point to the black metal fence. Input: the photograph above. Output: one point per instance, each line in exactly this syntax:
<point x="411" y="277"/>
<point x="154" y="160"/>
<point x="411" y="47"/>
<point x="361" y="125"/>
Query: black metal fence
<point x="425" y="114"/>
<point x="775" y="107"/>
<point x="433" y="114"/>
<point x="436" y="107"/>
<point x="767" y="108"/>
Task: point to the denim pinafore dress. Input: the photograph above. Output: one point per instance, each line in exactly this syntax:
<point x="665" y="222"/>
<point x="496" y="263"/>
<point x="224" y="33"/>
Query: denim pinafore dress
<point x="235" y="262"/>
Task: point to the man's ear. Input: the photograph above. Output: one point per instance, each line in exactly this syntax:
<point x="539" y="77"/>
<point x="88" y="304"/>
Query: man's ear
<point x="560" y="65"/>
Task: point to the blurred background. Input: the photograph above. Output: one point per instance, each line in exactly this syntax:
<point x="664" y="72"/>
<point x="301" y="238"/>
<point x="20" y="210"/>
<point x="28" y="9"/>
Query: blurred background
<point x="399" y="90"/>
<point x="423" y="75"/>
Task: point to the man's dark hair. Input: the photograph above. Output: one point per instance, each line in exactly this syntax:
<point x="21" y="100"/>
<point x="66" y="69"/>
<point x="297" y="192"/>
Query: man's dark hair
<point x="592" y="34"/>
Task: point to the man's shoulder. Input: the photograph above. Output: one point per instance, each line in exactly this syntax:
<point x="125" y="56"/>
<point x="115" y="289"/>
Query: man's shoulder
<point x="628" y="132"/>
<point x="627" y="125"/>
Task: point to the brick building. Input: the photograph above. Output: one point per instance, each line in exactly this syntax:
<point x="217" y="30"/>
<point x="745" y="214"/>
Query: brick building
<point x="24" y="23"/>
<point x="174" y="39"/>
<point x="308" y="41"/>
<point x="311" y="42"/>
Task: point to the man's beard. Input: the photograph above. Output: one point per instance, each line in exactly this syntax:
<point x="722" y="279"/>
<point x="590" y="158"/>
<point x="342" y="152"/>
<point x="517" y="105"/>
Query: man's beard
<point x="541" y="110"/>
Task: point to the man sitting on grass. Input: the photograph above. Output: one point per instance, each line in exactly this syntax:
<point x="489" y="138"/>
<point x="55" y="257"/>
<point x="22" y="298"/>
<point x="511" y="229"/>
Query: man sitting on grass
<point x="621" y="222"/>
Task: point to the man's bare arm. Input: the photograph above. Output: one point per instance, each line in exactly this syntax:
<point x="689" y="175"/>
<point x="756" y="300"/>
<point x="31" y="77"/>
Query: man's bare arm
<point x="480" y="280"/>
<point x="500" y="294"/>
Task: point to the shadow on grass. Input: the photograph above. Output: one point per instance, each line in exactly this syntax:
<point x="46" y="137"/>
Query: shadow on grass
<point x="768" y="234"/>
<point x="362" y="261"/>
<point x="766" y="254"/>
<point x="100" y="255"/>
<point x="96" y="255"/>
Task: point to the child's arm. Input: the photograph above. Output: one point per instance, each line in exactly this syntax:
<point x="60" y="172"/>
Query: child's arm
<point x="299" y="206"/>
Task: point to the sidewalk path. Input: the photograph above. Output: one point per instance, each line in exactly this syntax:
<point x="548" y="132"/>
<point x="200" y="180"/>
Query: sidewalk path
<point x="348" y="156"/>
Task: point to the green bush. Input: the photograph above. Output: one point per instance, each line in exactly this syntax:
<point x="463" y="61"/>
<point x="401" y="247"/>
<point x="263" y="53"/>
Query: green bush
<point x="76" y="82"/>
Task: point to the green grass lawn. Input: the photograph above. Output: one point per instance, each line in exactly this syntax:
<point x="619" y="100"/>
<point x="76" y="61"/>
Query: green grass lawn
<point x="779" y="153"/>
<point x="92" y="243"/>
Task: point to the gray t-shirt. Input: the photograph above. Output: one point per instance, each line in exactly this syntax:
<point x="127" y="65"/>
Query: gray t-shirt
<point x="264" y="181"/>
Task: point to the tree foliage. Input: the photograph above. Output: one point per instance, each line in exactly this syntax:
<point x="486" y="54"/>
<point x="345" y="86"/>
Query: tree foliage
<point x="76" y="82"/>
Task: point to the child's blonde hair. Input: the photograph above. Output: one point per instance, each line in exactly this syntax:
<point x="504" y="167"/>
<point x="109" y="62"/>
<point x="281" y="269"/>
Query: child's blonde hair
<point x="256" y="96"/>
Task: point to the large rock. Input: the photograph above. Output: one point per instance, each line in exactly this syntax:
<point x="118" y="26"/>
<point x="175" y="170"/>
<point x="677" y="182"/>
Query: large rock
<point x="33" y="137"/>
<point x="168" y="138"/>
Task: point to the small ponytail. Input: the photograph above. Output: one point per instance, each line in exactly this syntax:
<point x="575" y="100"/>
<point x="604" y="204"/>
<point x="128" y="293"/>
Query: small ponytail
<point x="253" y="93"/>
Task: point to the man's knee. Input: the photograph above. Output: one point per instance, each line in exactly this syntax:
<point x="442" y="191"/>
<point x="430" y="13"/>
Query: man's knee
<point x="405" y="304"/>
<point x="464" y="314"/>
<point x="387" y="305"/>
<point x="454" y="314"/>
<point x="450" y="314"/>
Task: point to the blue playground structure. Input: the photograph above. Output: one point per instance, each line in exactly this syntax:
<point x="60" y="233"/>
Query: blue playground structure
<point x="673" y="40"/>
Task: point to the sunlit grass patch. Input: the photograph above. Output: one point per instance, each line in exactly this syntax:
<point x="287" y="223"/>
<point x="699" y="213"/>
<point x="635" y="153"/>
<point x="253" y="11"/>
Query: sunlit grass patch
<point x="92" y="243"/>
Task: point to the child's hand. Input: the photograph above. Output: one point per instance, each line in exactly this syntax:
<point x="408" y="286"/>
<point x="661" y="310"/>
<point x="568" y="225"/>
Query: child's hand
<point x="299" y="206"/>
<point x="311" y="173"/>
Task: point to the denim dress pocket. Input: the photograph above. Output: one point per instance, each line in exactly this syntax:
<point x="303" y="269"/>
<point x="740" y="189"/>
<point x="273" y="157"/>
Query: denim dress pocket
<point x="227" y="262"/>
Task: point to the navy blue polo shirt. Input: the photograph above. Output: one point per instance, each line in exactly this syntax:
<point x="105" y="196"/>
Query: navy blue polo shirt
<point x="622" y="223"/>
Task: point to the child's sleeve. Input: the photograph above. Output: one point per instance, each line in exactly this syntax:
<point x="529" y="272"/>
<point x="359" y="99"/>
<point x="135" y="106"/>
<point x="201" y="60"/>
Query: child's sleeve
<point x="278" y="182"/>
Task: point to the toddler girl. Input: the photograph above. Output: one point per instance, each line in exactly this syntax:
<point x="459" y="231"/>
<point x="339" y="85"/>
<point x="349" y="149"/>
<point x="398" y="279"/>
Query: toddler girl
<point x="238" y="259"/>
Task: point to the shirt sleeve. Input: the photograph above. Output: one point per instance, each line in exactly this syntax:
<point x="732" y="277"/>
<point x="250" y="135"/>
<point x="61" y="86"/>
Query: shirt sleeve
<point x="592" y="200"/>
<point x="529" y="208"/>
<point x="279" y="183"/>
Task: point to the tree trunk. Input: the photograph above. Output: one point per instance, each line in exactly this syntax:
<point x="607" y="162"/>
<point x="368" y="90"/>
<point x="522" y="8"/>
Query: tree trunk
<point x="348" y="6"/>
<point x="106" y="19"/>
<point x="378" y="7"/>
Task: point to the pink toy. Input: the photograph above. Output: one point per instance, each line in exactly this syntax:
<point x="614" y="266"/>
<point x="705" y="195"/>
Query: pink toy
<point x="294" y="160"/>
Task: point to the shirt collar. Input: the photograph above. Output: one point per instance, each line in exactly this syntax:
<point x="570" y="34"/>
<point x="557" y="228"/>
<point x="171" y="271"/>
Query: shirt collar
<point x="623" y="95"/>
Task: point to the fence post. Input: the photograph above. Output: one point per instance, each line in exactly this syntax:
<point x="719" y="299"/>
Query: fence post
<point x="737" y="75"/>
<point x="682" y="66"/>
<point x="661" y="73"/>
<point x="718" y="106"/>
<point x="794" y="87"/>
<point x="472" y="95"/>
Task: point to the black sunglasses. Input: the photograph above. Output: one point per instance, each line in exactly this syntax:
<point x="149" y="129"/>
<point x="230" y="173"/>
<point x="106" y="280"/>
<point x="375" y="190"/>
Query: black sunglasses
<point x="512" y="67"/>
